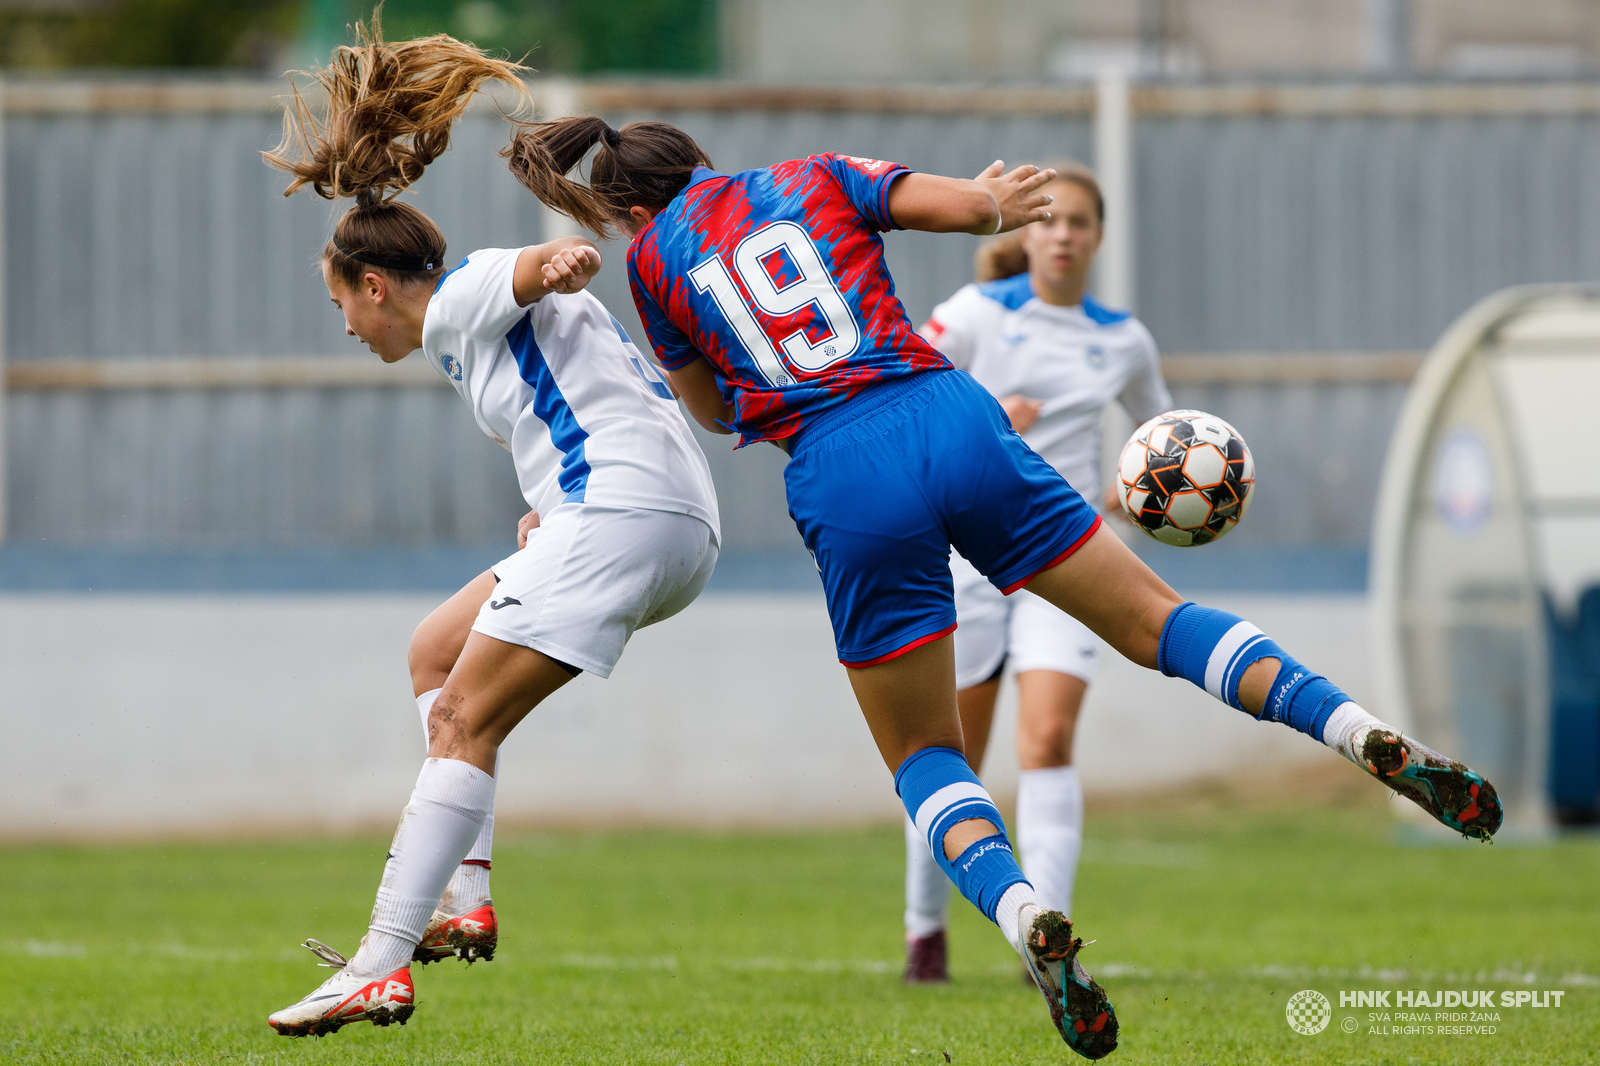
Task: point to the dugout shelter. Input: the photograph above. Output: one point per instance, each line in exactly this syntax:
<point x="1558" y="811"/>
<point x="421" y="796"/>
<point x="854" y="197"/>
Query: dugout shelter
<point x="1486" y="552"/>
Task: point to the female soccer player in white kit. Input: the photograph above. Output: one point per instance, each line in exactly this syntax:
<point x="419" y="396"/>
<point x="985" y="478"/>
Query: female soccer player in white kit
<point x="625" y="530"/>
<point x="1055" y="359"/>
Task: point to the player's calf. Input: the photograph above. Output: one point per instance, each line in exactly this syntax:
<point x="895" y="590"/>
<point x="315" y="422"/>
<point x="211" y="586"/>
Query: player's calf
<point x="1215" y="650"/>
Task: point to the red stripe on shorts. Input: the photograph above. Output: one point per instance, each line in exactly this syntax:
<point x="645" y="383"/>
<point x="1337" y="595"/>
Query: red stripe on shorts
<point x="919" y="642"/>
<point x="1015" y="585"/>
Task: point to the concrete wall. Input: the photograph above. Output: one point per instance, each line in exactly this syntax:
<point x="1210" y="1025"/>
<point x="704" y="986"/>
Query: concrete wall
<point x="166" y="714"/>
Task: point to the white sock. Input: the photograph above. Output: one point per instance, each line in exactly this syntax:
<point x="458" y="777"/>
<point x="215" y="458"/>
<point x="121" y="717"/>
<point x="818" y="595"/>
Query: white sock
<point x="447" y="809"/>
<point x="927" y="887"/>
<point x="469" y="884"/>
<point x="1008" y="912"/>
<point x="1347" y="728"/>
<point x="1050" y="832"/>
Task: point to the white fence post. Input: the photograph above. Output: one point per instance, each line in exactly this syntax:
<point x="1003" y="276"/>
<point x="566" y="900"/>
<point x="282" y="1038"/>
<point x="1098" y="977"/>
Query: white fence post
<point x="558" y="98"/>
<point x="4" y="319"/>
<point x="1113" y="162"/>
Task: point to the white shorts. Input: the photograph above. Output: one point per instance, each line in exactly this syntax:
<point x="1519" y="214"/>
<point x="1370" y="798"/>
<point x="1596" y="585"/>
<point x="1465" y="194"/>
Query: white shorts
<point x="1032" y="632"/>
<point x="591" y="575"/>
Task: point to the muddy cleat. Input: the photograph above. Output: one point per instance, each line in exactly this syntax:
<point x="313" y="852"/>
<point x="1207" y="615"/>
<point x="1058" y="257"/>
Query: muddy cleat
<point x="1080" y="1009"/>
<point x="925" y="960"/>
<point x="346" y="997"/>
<point x="471" y="936"/>
<point x="1455" y="795"/>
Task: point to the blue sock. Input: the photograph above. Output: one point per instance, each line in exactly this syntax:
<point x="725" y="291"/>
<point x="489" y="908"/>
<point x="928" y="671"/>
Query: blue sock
<point x="939" y="789"/>
<point x="1213" y="649"/>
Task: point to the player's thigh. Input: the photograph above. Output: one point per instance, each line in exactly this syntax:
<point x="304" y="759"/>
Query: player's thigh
<point x="982" y="621"/>
<point x="1110" y="590"/>
<point x="438" y="640"/>
<point x="909" y="701"/>
<point x="492" y="688"/>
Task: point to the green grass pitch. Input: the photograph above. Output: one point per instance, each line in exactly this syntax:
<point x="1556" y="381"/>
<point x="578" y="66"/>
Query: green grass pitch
<point x="753" y="947"/>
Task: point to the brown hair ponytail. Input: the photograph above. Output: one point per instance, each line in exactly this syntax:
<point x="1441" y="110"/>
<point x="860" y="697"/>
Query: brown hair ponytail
<point x="644" y="164"/>
<point x="390" y="111"/>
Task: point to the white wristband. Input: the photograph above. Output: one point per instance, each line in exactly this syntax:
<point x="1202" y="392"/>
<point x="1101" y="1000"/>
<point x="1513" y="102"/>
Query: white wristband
<point x="999" y="218"/>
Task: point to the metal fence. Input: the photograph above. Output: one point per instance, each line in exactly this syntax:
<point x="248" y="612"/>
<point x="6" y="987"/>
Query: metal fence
<point x="140" y="224"/>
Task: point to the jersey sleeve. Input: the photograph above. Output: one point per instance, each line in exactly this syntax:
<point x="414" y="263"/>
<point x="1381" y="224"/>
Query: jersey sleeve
<point x="866" y="184"/>
<point x="477" y="298"/>
<point x="955" y="326"/>
<point x="674" y="350"/>
<point x="1145" y="395"/>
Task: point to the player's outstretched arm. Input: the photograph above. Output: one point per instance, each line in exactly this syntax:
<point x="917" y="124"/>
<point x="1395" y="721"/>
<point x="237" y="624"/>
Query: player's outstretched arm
<point x="990" y="203"/>
<point x="563" y="265"/>
<point x="696" y="384"/>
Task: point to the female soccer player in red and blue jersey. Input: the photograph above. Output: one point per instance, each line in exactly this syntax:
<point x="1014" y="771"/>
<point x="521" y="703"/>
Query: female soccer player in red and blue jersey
<point x="768" y="301"/>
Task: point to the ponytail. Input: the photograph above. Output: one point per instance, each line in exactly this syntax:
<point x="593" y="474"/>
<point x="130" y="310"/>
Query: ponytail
<point x="1000" y="257"/>
<point x="390" y="111"/>
<point x="644" y="164"/>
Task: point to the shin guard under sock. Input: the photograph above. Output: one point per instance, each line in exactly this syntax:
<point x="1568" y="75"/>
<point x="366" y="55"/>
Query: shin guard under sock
<point x="940" y="790"/>
<point x="438" y="828"/>
<point x="470" y="882"/>
<point x="1213" y="649"/>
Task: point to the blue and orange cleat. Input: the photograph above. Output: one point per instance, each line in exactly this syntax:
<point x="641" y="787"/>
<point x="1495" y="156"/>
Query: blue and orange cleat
<point x="1454" y="794"/>
<point x="1079" y="1007"/>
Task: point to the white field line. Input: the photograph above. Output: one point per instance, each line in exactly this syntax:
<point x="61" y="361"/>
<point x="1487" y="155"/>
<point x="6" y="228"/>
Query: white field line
<point x="1512" y="973"/>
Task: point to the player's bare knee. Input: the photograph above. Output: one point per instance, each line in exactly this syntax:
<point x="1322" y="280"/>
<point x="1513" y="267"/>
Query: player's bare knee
<point x="1045" y="740"/>
<point x="449" y="728"/>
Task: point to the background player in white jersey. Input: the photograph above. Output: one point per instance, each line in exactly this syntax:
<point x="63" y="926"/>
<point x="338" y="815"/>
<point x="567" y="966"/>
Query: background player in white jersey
<point x="1056" y="360"/>
<point x="623" y="531"/>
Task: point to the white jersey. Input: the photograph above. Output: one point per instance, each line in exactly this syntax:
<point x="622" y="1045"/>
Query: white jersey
<point x="1075" y="360"/>
<point x="561" y="387"/>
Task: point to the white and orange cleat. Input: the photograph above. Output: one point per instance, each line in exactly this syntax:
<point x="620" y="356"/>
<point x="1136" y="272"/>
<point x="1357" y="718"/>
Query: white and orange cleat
<point x="470" y="936"/>
<point x="347" y="997"/>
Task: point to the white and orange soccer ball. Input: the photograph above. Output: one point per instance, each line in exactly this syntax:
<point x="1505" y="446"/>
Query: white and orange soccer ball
<point x="1185" y="478"/>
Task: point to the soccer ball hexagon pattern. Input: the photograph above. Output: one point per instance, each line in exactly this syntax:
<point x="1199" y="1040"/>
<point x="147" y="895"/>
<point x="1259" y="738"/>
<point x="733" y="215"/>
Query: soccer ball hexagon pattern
<point x="1186" y="477"/>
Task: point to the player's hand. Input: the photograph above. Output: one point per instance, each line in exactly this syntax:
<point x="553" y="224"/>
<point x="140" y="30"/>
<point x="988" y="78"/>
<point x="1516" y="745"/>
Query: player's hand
<point x="570" y="269"/>
<point x="530" y="522"/>
<point x="1022" y="411"/>
<point x="1017" y="194"/>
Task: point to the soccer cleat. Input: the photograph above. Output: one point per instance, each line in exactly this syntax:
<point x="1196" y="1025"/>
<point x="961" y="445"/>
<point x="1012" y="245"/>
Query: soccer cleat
<point x="471" y="936"/>
<point x="925" y="960"/>
<point x="347" y="997"/>
<point x="1455" y="795"/>
<point x="1080" y="1009"/>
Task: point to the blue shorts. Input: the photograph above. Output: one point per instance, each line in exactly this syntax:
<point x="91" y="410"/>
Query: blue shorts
<point x="882" y="487"/>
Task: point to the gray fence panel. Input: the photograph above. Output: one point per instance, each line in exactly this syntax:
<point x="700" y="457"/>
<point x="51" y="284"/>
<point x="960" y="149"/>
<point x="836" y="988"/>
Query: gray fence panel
<point x="149" y="235"/>
<point x="1295" y="233"/>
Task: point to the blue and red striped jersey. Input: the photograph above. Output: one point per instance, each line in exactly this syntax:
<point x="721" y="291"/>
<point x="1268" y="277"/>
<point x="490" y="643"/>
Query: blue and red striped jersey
<point x="777" y="277"/>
